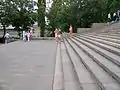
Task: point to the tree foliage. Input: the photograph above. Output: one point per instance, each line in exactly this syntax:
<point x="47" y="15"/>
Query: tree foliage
<point x="80" y="13"/>
<point x="18" y="13"/>
<point x="41" y="15"/>
<point x="5" y="13"/>
<point x="23" y="16"/>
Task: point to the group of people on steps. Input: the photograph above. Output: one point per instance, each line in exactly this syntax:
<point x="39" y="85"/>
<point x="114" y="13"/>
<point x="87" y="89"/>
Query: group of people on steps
<point x="58" y="33"/>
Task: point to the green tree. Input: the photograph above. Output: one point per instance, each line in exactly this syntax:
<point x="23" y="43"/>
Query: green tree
<point x="19" y="13"/>
<point x="80" y="13"/>
<point x="41" y="16"/>
<point x="23" y="15"/>
<point x="5" y="11"/>
<point x="58" y="15"/>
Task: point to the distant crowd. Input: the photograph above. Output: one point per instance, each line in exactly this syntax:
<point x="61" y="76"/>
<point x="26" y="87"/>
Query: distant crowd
<point x="114" y="17"/>
<point x="27" y="35"/>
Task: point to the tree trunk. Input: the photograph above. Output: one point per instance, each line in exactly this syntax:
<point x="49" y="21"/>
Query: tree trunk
<point x="3" y="38"/>
<point x="42" y="33"/>
<point x="4" y="29"/>
<point x="42" y="29"/>
<point x="41" y="17"/>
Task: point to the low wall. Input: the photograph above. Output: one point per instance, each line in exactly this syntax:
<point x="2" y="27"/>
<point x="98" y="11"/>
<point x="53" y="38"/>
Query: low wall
<point x="10" y="31"/>
<point x="82" y="30"/>
<point x="43" y="38"/>
<point x="99" y="25"/>
<point x="95" y="27"/>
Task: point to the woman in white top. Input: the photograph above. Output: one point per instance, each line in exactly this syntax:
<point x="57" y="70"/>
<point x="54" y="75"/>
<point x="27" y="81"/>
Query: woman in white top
<point x="56" y="34"/>
<point x="28" y="36"/>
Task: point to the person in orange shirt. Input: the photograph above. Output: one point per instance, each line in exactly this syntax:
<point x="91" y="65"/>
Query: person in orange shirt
<point x="70" y="30"/>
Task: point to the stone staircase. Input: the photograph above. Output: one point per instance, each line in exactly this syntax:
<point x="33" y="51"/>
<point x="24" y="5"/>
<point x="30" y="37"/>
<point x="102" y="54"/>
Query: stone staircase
<point x="88" y="61"/>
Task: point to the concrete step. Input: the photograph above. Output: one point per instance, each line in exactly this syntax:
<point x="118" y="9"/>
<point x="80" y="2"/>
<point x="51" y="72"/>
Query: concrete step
<point x="103" y="76"/>
<point x="114" y="36"/>
<point x="43" y="38"/>
<point x="71" y="81"/>
<point x="106" y="42"/>
<point x="105" y="63"/>
<point x="112" y="40"/>
<point x="117" y="37"/>
<point x="106" y="47"/>
<point x="88" y="62"/>
<point x="58" y="83"/>
<point x="87" y="81"/>
<point x="108" y="55"/>
<point x="107" y="38"/>
<point x="114" y="33"/>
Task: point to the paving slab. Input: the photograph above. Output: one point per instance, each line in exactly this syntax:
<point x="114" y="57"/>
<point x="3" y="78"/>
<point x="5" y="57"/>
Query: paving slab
<point x="27" y="65"/>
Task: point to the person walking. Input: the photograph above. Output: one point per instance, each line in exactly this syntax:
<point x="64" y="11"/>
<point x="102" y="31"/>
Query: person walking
<point x="59" y="35"/>
<point x="70" y="30"/>
<point x="24" y="38"/>
<point x="28" y="36"/>
<point x="109" y="18"/>
<point x="7" y="37"/>
<point x="114" y="17"/>
<point x="31" y="34"/>
<point x="118" y="14"/>
<point x="56" y="34"/>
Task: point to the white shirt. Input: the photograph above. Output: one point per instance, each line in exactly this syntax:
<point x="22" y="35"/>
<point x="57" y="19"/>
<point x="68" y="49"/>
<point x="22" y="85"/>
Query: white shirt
<point x="28" y="34"/>
<point x="114" y="14"/>
<point x="109" y="16"/>
<point x="7" y="35"/>
<point x="23" y="33"/>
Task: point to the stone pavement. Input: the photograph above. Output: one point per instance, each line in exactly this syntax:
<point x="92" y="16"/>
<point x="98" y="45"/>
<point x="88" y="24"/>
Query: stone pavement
<point x="27" y="65"/>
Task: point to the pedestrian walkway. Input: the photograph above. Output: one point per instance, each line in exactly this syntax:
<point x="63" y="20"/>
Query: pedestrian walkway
<point x="27" y="65"/>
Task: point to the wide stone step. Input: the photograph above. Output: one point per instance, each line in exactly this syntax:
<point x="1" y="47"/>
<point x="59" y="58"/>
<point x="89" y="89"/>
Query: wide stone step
<point x="88" y="62"/>
<point x="111" y="40"/>
<point x="106" y="54"/>
<point x="106" y="47"/>
<point x="105" y="63"/>
<point x="104" y="76"/>
<point x="102" y="41"/>
<point x="71" y="81"/>
<point x="87" y="79"/>
<point x="114" y="33"/>
<point x="42" y="38"/>
<point x="117" y="37"/>
<point x="58" y="83"/>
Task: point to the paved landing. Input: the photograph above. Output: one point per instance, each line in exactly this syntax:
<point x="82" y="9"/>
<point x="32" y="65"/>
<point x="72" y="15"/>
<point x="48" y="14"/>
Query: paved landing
<point x="27" y="65"/>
